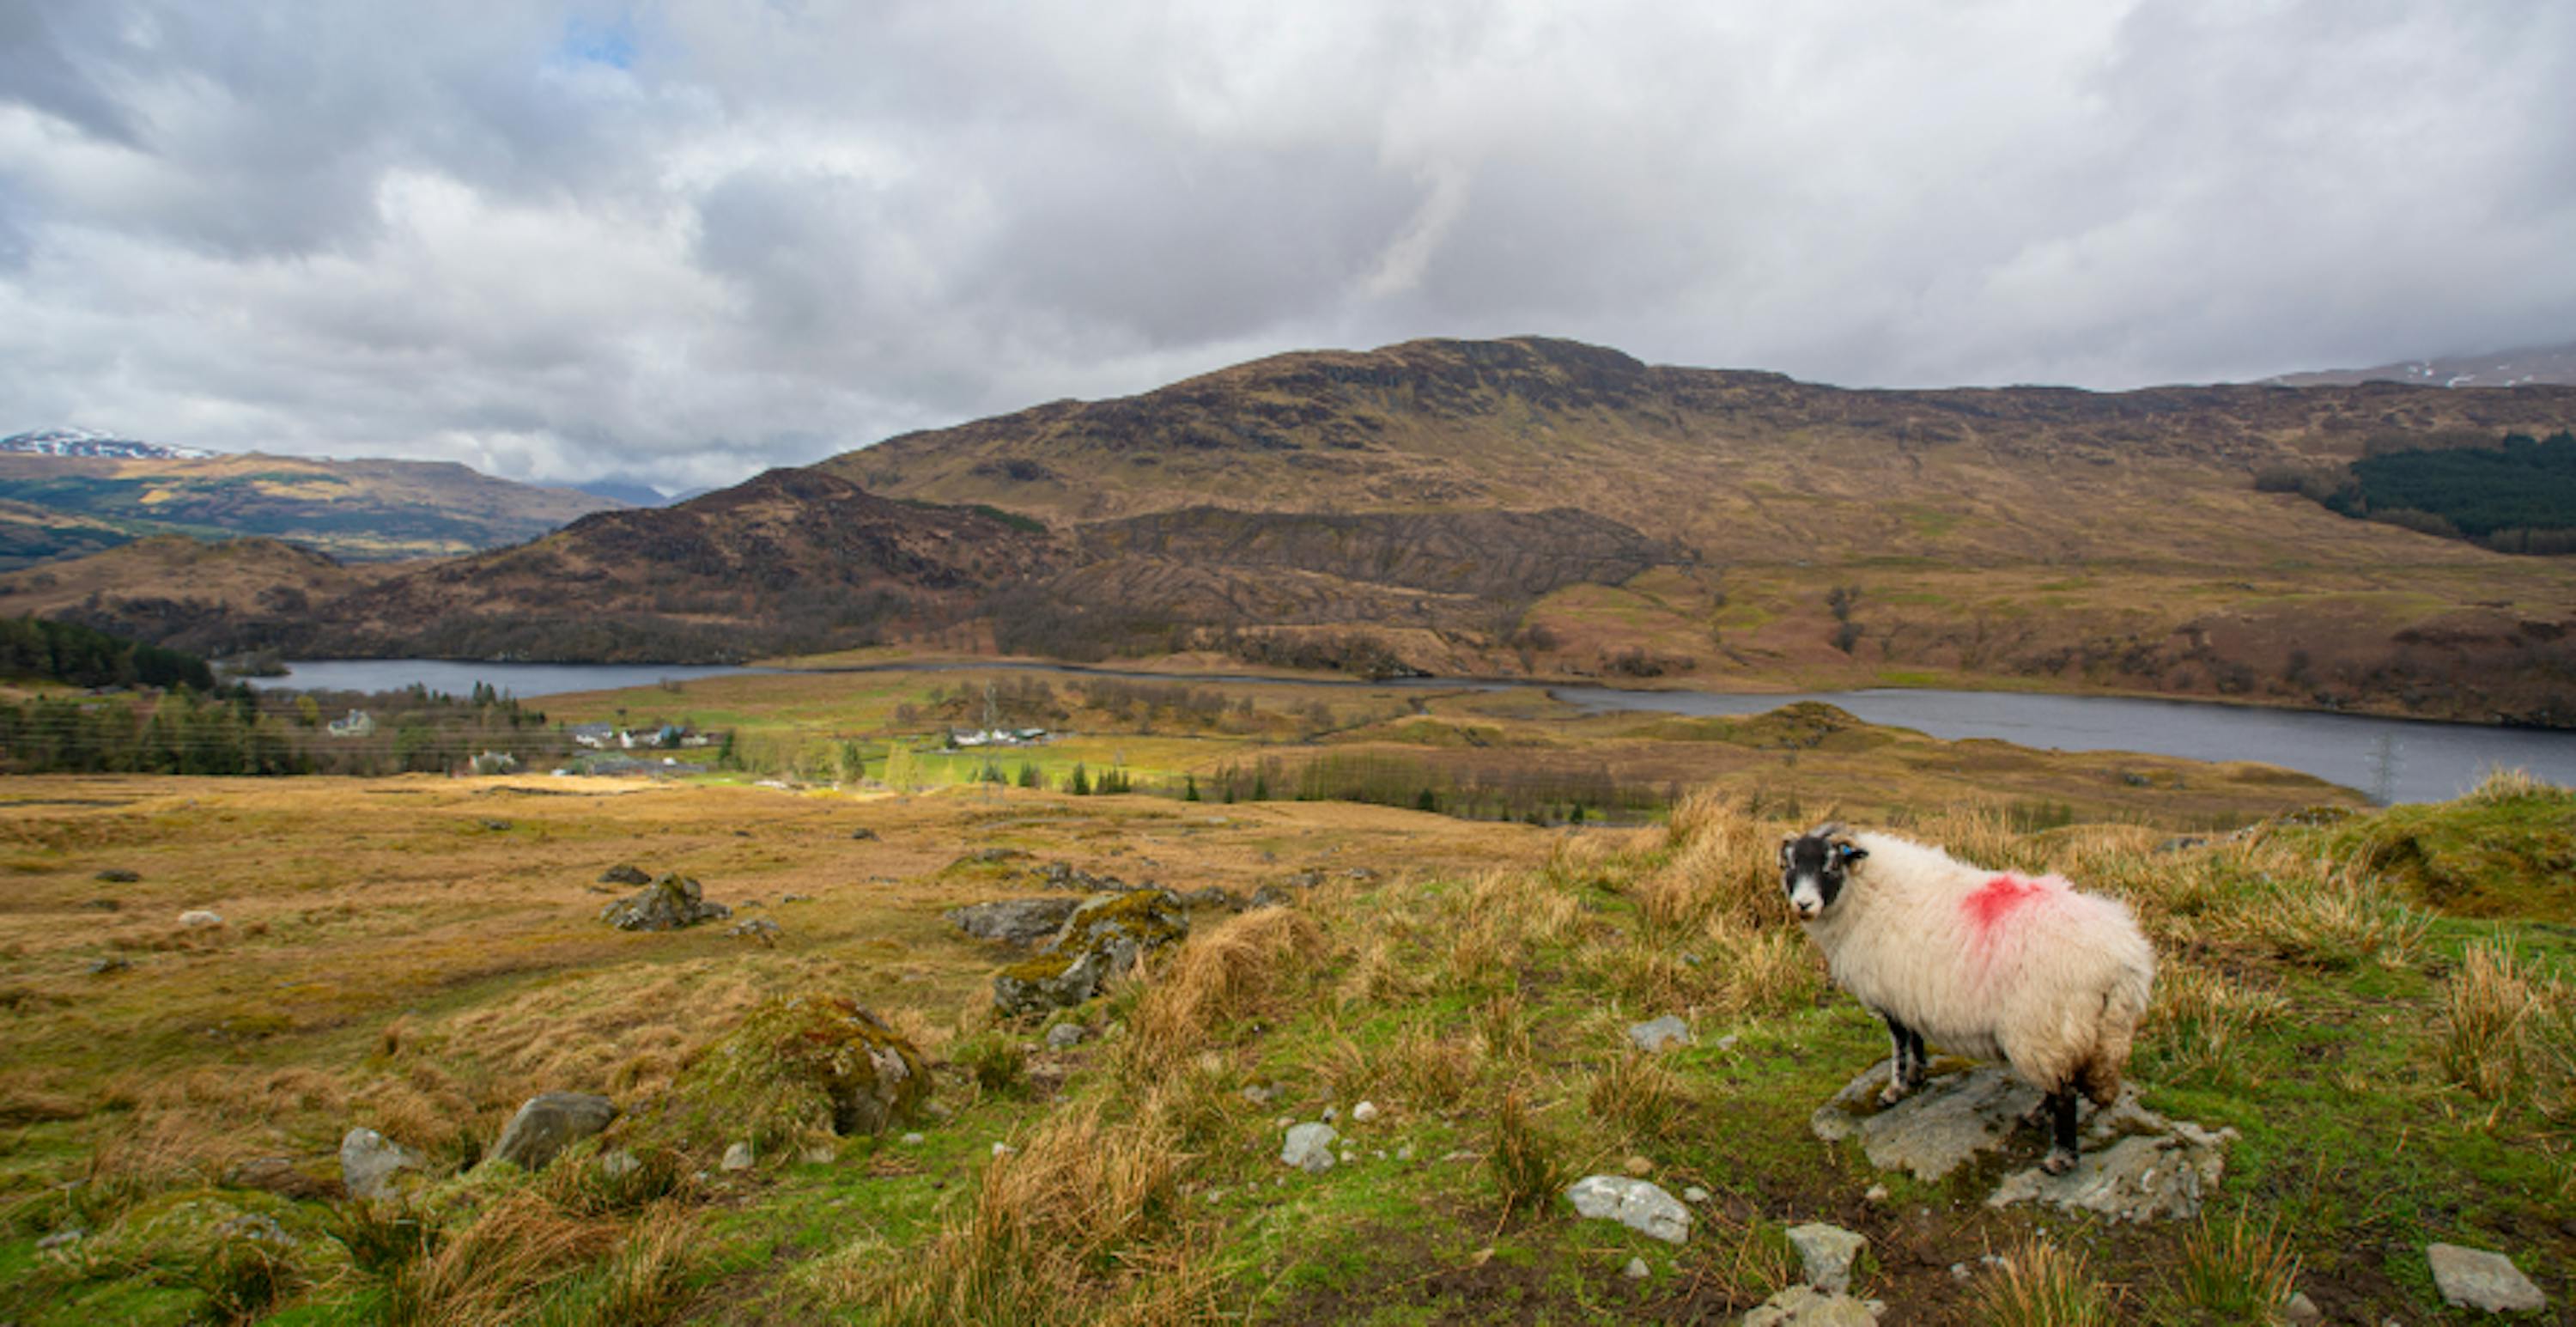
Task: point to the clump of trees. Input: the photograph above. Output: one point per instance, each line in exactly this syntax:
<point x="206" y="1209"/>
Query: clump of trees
<point x="2518" y="496"/>
<point x="83" y="657"/>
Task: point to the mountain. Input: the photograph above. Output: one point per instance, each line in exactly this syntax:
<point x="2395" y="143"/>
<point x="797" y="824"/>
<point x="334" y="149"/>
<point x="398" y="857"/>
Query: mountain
<point x="364" y="510"/>
<point x="2503" y="368"/>
<point x="1555" y="509"/>
<point x="82" y="442"/>
<point x="789" y="560"/>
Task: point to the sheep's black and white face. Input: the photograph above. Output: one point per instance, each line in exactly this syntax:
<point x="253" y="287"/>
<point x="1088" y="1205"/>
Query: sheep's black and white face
<point x="1814" y="867"/>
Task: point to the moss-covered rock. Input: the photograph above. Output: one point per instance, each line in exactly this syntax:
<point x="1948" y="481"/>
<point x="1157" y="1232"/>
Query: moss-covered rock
<point x="800" y="1066"/>
<point x="1102" y="939"/>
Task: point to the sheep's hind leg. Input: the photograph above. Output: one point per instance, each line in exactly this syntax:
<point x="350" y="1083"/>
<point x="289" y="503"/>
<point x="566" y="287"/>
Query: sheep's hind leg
<point x="1905" y="1062"/>
<point x="2061" y="1107"/>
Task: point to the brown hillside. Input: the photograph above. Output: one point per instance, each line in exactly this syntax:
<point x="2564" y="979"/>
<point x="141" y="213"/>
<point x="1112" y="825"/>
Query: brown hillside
<point x="792" y="559"/>
<point x="210" y="598"/>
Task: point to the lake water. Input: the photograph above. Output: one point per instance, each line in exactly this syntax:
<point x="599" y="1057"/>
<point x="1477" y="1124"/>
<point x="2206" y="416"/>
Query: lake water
<point x="523" y="680"/>
<point x="2391" y="760"/>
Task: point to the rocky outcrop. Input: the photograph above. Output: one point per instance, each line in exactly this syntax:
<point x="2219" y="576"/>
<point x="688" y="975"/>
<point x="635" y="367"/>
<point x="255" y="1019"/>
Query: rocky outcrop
<point x="668" y="904"/>
<point x="369" y="1163"/>
<point x="1102" y="939"/>
<point x="798" y="1066"/>
<point x="1640" y="1205"/>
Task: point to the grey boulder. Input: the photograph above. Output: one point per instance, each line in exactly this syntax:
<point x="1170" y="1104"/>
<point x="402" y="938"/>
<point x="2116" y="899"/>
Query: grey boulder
<point x="369" y="1161"/>
<point x="1805" y="1306"/>
<point x="548" y="1123"/>
<point x="1018" y="921"/>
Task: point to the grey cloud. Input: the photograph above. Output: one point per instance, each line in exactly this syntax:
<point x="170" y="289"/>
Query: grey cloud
<point x="764" y="232"/>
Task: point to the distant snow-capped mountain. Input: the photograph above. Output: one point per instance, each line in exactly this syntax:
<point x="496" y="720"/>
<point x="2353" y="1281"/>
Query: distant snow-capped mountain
<point x="83" y="442"/>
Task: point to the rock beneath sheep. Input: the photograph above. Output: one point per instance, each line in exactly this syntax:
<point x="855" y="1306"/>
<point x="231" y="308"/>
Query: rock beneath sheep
<point x="369" y="1163"/>
<point x="1309" y="1147"/>
<point x="1827" y="1253"/>
<point x="2161" y="1172"/>
<point x="201" y="918"/>
<point x="549" y="1122"/>
<point x="2478" y="1279"/>
<point x="1948" y="1121"/>
<point x="1660" y="1034"/>
<point x="1640" y="1205"/>
<point x="1805" y="1306"/>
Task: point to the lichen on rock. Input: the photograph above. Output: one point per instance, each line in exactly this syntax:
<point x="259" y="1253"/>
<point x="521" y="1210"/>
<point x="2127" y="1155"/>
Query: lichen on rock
<point x="800" y="1066"/>
<point x="1103" y="939"/>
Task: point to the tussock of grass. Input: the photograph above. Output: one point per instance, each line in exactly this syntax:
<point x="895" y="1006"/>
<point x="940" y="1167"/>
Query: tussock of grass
<point x="2490" y="1012"/>
<point x="1047" y="1236"/>
<point x="2199" y="1019"/>
<point x="1528" y="1165"/>
<point x="1217" y="975"/>
<point x="2238" y="1272"/>
<point x="1641" y="1095"/>
<point x="2042" y="1285"/>
<point x="488" y="1271"/>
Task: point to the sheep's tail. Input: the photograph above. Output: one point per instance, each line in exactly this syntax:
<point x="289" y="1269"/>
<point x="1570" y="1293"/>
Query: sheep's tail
<point x="2123" y="1006"/>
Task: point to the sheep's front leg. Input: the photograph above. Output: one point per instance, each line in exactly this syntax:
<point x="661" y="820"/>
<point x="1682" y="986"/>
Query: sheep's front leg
<point x="1905" y="1061"/>
<point x="2061" y="1107"/>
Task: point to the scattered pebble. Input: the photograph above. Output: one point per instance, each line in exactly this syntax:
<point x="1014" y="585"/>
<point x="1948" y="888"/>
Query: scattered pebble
<point x="1639" y="1167"/>
<point x="912" y="1140"/>
<point x="1332" y="1114"/>
<point x="1064" y="1036"/>
<point x="200" y="917"/>
<point x="1404" y="1153"/>
<point x="1364" y="1112"/>
<point x="104" y="966"/>
<point x="1635" y="1270"/>
<point x="1877" y="1193"/>
<point x="738" y="1157"/>
<point x="1003" y="1149"/>
<point x="1694" y="1194"/>
<point x="60" y="1239"/>
<point x="1959" y="1271"/>
<point x="1257" y="1094"/>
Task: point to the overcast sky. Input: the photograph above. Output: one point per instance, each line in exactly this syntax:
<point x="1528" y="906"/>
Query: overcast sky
<point x="683" y="241"/>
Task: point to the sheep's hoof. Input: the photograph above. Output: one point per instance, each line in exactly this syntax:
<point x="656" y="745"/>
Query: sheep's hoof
<point x="1894" y="1092"/>
<point x="2037" y="1116"/>
<point x="2058" y="1162"/>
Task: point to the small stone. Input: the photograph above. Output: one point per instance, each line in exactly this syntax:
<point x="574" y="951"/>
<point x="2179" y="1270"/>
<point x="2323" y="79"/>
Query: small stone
<point x="820" y="1154"/>
<point x="1694" y="1195"/>
<point x="619" y="1164"/>
<point x="913" y="1140"/>
<point x="1309" y="1147"/>
<point x="1257" y="1095"/>
<point x="1827" y="1252"/>
<point x="1638" y="1166"/>
<point x="1727" y="1042"/>
<point x="1332" y="1114"/>
<point x="1404" y="1153"/>
<point x="1636" y="1270"/>
<point x="1959" y="1271"/>
<point x="60" y="1239"/>
<point x="1064" y="1036"/>
<point x="1348" y="1156"/>
<point x="1660" y="1034"/>
<point x="1636" y="1204"/>
<point x="111" y="964"/>
<point x="792" y="897"/>
<point x="200" y="918"/>
<point x="1877" y="1193"/>
<point x="2303" y="1311"/>
<point x="1003" y="1149"/>
<point x="1805" y="1306"/>
<point x="624" y="874"/>
<point x="863" y="833"/>
<point x="1364" y="1112"/>
<point x="2479" y="1279"/>
<point x="113" y="876"/>
<point x="737" y="1157"/>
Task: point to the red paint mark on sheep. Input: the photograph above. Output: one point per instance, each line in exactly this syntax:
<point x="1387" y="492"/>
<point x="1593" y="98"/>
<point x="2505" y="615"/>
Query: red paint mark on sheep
<point x="1997" y="899"/>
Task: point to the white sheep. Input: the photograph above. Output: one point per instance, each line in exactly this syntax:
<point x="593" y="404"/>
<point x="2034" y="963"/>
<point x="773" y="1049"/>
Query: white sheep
<point x="1986" y="964"/>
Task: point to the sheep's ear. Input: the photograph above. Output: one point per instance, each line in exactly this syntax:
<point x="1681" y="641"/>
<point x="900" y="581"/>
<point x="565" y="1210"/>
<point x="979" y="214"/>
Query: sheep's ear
<point x="1785" y="845"/>
<point x="1850" y="852"/>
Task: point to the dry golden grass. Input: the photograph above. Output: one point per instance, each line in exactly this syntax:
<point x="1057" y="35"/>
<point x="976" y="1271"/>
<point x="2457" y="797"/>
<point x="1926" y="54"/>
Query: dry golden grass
<point x="2043" y="1285"/>
<point x="2239" y="1272"/>
<point x="2500" y="784"/>
<point x="1643" y="1097"/>
<point x="1218" y="974"/>
<point x="2490" y="1012"/>
<point x="2199" y="1015"/>
<point x="487" y="1271"/>
<point x="1048" y="1235"/>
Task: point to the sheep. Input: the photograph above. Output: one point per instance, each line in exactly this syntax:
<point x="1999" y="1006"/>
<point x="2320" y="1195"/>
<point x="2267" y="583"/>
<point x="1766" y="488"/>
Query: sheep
<point x="1989" y="965"/>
